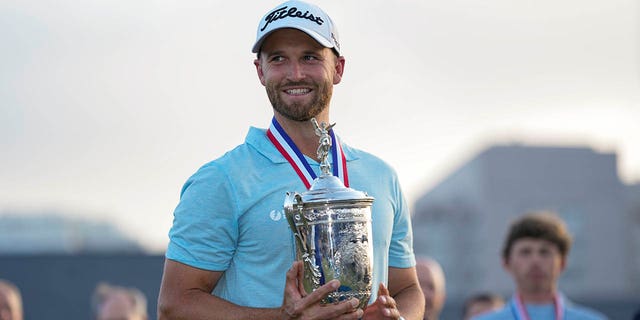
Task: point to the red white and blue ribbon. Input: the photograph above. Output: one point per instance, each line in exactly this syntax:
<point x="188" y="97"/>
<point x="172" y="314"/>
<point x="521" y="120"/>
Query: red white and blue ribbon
<point x="519" y="310"/>
<point x="290" y="151"/>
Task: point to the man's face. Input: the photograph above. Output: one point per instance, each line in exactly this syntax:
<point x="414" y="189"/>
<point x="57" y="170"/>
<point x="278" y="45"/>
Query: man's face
<point x="118" y="306"/>
<point x="535" y="265"/>
<point x="10" y="308"/>
<point x="433" y="289"/>
<point x="298" y="73"/>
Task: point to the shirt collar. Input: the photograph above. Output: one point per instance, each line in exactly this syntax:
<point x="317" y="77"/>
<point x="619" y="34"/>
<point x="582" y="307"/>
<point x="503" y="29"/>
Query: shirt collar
<point x="257" y="138"/>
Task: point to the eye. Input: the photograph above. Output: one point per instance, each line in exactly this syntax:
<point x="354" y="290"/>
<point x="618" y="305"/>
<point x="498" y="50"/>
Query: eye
<point x="310" y="58"/>
<point x="276" y="58"/>
<point x="524" y="252"/>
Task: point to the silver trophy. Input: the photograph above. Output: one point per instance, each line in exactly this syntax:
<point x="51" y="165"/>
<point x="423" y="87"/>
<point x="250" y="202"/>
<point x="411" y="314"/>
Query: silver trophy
<point x="332" y="228"/>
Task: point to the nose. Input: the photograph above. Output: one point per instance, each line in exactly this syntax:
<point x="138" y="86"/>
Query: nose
<point x="537" y="258"/>
<point x="296" y="71"/>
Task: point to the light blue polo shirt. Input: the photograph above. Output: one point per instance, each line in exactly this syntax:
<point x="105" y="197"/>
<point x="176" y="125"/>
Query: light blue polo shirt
<point x="230" y="218"/>
<point x="571" y="311"/>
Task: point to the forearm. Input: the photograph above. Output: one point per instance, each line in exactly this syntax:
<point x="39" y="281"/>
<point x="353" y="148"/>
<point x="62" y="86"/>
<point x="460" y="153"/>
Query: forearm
<point x="197" y="304"/>
<point x="185" y="293"/>
<point x="410" y="303"/>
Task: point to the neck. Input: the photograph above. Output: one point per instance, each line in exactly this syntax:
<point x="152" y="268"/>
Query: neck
<point x="303" y="134"/>
<point x="537" y="297"/>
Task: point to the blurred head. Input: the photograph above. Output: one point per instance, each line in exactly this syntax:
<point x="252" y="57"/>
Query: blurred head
<point x="432" y="282"/>
<point x="535" y="251"/>
<point x="539" y="225"/>
<point x="118" y="303"/>
<point x="10" y="301"/>
<point x="482" y="303"/>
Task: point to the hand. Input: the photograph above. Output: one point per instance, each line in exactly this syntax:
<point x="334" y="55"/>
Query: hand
<point x="383" y="308"/>
<point x="298" y="305"/>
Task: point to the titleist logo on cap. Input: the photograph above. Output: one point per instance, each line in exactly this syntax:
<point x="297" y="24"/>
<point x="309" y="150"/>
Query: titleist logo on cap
<point x="293" y="12"/>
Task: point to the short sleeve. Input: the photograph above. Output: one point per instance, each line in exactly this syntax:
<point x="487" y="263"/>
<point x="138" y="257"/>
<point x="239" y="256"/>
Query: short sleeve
<point x="401" y="247"/>
<point x="205" y="231"/>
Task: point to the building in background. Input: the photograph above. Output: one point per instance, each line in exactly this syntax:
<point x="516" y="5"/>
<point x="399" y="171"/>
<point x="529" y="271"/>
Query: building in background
<point x="52" y="233"/>
<point x="57" y="260"/>
<point x="463" y="220"/>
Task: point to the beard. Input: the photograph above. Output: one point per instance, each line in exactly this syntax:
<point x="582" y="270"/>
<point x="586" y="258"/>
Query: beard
<point x="300" y="111"/>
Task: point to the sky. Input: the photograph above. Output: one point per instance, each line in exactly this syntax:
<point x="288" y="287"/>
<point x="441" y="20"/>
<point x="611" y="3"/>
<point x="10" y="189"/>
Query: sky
<point x="107" y="107"/>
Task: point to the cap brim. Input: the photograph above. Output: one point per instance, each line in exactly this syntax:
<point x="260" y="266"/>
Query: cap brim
<point x="320" y="39"/>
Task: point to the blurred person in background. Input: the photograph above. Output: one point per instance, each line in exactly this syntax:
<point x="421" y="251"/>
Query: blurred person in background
<point x="481" y="303"/>
<point x="118" y="303"/>
<point x="10" y="301"/>
<point x="432" y="282"/>
<point x="535" y="254"/>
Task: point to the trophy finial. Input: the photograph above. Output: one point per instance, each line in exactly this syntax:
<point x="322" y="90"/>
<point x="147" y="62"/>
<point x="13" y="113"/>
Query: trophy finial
<point x="322" y="131"/>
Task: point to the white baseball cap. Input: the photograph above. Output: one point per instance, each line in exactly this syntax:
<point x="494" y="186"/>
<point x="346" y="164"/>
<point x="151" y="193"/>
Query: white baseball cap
<point x="299" y="15"/>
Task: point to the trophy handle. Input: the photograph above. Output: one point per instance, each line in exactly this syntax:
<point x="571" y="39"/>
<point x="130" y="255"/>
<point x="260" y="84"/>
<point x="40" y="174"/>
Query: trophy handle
<point x="293" y="211"/>
<point x="292" y="206"/>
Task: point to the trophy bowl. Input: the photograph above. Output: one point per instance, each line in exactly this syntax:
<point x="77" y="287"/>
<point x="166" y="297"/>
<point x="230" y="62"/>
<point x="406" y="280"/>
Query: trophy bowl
<point x="332" y="227"/>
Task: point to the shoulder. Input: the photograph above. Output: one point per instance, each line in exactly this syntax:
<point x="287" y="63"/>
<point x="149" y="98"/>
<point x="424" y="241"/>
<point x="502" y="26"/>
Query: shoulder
<point x="238" y="157"/>
<point x="353" y="153"/>
<point x="575" y="311"/>
<point x="502" y="314"/>
<point x="360" y="157"/>
<point x="218" y="171"/>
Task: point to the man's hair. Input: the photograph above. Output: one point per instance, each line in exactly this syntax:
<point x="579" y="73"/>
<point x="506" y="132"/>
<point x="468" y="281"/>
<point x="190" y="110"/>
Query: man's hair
<point x="482" y="297"/>
<point x="543" y="225"/>
<point x="104" y="290"/>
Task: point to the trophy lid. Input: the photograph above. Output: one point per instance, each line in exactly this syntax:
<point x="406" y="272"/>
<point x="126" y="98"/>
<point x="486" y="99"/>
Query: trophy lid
<point x="328" y="188"/>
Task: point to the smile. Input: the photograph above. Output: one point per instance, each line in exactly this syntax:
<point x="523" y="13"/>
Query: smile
<point x="298" y="91"/>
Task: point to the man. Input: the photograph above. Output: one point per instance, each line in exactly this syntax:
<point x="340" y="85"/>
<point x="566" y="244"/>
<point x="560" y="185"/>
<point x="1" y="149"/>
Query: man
<point x="432" y="282"/>
<point x="231" y="253"/>
<point x="481" y="303"/>
<point x="115" y="302"/>
<point x="10" y="301"/>
<point x="535" y="254"/>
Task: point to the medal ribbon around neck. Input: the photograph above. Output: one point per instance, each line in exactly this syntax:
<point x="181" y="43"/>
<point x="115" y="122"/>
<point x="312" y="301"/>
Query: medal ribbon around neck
<point x="519" y="310"/>
<point x="290" y="151"/>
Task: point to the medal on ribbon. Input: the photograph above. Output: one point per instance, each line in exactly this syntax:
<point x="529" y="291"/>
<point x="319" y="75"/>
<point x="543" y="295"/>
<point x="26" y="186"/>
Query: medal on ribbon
<point x="519" y="309"/>
<point x="297" y="160"/>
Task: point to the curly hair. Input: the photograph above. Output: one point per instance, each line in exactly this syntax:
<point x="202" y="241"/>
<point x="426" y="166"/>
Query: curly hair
<point x="544" y="225"/>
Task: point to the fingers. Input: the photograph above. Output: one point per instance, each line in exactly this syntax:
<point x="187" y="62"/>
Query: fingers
<point x="318" y="294"/>
<point x="298" y="303"/>
<point x="390" y="308"/>
<point x="347" y="310"/>
<point x="343" y="310"/>
<point x="382" y="290"/>
<point x="300" y="268"/>
<point x="293" y="279"/>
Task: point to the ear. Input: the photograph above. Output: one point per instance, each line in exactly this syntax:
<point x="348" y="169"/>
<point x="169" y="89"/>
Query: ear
<point x="563" y="263"/>
<point x="339" y="69"/>
<point x="258" y="65"/>
<point x="505" y="264"/>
